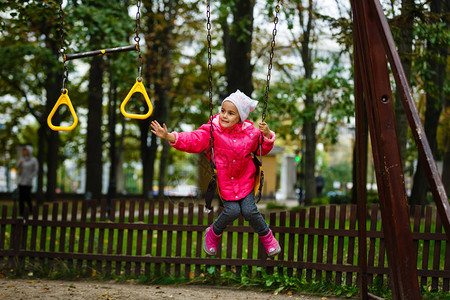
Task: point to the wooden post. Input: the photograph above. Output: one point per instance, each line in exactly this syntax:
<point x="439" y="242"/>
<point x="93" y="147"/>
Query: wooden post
<point x="374" y="73"/>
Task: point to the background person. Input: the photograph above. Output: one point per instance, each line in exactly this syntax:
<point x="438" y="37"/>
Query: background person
<point x="320" y="184"/>
<point x="27" y="168"/>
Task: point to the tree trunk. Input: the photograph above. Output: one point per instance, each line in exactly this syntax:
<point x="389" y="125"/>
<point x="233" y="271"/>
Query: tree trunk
<point x="148" y="148"/>
<point x="310" y="123"/>
<point x="355" y="179"/>
<point x="148" y="155"/>
<point x="434" y="101"/>
<point x="53" y="84"/>
<point x="53" y="89"/>
<point x="41" y="159"/>
<point x="163" y="168"/>
<point x="120" y="178"/>
<point x="309" y="131"/>
<point x="52" y="146"/>
<point x="162" y="92"/>
<point x="159" y="73"/>
<point x="162" y="88"/>
<point x="237" y="40"/>
<point x="405" y="51"/>
<point x="94" y="130"/>
<point x="112" y="114"/>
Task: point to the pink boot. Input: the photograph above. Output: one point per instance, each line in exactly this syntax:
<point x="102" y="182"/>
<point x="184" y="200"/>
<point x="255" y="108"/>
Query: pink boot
<point x="270" y="244"/>
<point x="211" y="241"/>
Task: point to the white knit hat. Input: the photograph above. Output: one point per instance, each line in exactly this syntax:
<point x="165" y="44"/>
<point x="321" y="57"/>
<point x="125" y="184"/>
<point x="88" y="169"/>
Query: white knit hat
<point x="243" y="103"/>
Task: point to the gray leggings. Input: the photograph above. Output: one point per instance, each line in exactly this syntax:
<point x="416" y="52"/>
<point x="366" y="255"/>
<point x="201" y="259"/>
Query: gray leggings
<point x="247" y="207"/>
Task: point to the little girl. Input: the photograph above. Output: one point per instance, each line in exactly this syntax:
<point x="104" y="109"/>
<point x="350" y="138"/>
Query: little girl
<point x="235" y="138"/>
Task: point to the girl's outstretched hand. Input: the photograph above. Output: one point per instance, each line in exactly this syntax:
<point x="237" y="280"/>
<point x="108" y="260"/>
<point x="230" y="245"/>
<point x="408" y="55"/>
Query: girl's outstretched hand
<point x="162" y="132"/>
<point x="264" y="128"/>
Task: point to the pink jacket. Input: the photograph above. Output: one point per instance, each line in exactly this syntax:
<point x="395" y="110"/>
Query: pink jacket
<point x="232" y="150"/>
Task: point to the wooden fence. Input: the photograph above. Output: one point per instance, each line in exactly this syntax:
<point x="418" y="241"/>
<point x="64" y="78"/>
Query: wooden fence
<point x="138" y="237"/>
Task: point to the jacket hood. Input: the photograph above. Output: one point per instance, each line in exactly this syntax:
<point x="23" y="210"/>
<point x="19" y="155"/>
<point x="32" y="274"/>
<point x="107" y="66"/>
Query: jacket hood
<point x="30" y="151"/>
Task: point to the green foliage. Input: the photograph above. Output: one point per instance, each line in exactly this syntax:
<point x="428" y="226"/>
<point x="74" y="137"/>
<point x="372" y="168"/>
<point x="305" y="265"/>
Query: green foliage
<point x="340" y="172"/>
<point x="26" y="57"/>
<point x="321" y="200"/>
<point x="372" y="197"/>
<point x="428" y="293"/>
<point x="31" y="66"/>
<point x="333" y="104"/>
<point x="272" y="206"/>
<point x="432" y="38"/>
<point x="279" y="282"/>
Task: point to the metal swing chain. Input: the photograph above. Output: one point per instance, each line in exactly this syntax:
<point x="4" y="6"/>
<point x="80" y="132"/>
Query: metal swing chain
<point x="137" y="39"/>
<point x="269" y="74"/>
<point x="269" y="68"/>
<point x="62" y="49"/>
<point x="208" y="27"/>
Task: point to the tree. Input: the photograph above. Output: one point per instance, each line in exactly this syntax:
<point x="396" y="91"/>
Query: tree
<point x="433" y="76"/>
<point x="237" y="44"/>
<point x="305" y="40"/>
<point x="404" y="24"/>
<point x="97" y="25"/>
<point x="94" y="140"/>
<point x="170" y="27"/>
<point x="159" y="40"/>
<point x="29" y="26"/>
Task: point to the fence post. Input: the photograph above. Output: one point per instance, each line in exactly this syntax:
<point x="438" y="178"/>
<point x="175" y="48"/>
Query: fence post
<point x="16" y="237"/>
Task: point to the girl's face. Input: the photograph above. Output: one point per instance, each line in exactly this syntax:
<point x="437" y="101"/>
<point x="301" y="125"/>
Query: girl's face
<point x="229" y="115"/>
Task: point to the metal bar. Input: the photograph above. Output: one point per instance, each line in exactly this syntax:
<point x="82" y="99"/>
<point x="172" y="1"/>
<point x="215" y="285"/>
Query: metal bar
<point x="361" y="150"/>
<point x="100" y="52"/>
<point x="387" y="161"/>
<point x="435" y="181"/>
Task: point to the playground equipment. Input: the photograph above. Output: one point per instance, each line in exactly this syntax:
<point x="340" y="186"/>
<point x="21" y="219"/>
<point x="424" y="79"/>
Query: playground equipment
<point x="373" y="42"/>
<point x="259" y="178"/>
<point x="374" y="49"/>
<point x="138" y="87"/>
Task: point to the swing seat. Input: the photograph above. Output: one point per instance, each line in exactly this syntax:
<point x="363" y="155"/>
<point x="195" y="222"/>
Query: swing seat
<point x="63" y="99"/>
<point x="213" y="186"/>
<point x="138" y="87"/>
<point x="212" y="189"/>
